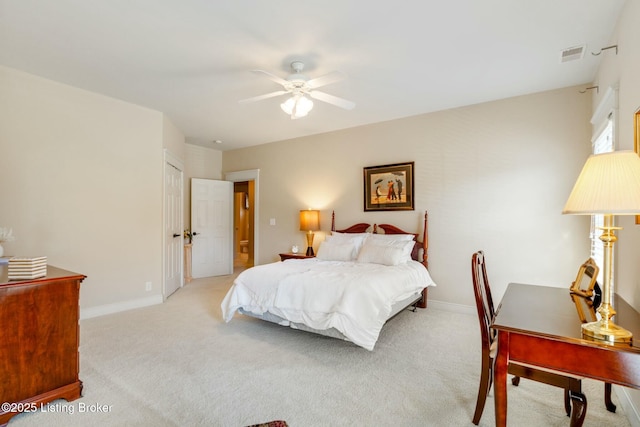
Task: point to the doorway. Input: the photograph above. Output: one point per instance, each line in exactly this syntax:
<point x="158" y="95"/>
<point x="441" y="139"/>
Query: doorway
<point x="252" y="179"/>
<point x="243" y="243"/>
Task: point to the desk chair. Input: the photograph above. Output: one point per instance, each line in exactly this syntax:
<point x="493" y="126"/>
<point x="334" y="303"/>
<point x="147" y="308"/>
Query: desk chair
<point x="572" y="385"/>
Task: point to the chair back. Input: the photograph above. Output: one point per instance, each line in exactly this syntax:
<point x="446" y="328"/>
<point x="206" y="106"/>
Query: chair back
<point x="484" y="301"/>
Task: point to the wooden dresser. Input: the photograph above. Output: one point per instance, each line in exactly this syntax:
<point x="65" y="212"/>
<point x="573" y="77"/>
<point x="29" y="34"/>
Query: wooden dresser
<point x="39" y="337"/>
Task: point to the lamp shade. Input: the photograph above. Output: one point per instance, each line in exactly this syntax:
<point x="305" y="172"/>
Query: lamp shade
<point x="288" y="105"/>
<point x="309" y="220"/>
<point x="608" y="184"/>
<point x="297" y="106"/>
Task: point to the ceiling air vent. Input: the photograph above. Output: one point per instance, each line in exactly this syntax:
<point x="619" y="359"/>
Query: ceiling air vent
<point x="572" y="53"/>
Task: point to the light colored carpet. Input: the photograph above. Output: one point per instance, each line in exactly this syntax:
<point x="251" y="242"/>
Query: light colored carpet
<point x="178" y="364"/>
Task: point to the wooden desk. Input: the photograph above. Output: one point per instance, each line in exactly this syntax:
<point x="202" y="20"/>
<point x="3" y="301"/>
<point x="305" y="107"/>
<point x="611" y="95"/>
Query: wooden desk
<point x="39" y="338"/>
<point x="539" y="325"/>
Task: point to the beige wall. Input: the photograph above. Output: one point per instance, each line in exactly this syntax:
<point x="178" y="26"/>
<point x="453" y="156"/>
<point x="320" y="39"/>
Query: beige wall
<point x="493" y="176"/>
<point x="203" y="163"/>
<point x="623" y="71"/>
<point x="173" y="139"/>
<point x="81" y="182"/>
<point x="84" y="179"/>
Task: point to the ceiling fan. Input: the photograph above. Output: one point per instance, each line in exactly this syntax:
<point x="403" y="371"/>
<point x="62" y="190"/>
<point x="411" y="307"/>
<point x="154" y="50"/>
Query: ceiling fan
<point x="299" y="86"/>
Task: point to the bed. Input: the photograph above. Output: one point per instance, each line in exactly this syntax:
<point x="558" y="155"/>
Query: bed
<point x="362" y="277"/>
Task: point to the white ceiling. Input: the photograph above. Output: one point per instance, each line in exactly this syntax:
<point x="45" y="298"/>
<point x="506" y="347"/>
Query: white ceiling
<point x="191" y="59"/>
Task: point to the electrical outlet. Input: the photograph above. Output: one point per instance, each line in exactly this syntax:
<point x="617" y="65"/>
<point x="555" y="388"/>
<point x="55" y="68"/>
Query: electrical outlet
<point x="148" y="286"/>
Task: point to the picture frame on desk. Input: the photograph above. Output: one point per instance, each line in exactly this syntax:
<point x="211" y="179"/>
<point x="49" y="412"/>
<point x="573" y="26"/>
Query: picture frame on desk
<point x="586" y="279"/>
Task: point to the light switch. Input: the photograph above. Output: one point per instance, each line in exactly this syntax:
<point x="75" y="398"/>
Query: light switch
<point x="272" y="221"/>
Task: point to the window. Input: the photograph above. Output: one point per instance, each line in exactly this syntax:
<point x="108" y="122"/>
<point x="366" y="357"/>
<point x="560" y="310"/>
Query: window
<point x="603" y="143"/>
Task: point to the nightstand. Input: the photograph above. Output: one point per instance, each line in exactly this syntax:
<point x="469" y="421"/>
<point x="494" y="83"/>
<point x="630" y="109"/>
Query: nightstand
<point x="294" y="256"/>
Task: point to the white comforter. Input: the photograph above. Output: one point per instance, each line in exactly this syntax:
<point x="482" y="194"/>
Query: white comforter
<point x="354" y="298"/>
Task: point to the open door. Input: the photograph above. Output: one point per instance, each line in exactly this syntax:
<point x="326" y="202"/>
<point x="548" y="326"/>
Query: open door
<point x="212" y="227"/>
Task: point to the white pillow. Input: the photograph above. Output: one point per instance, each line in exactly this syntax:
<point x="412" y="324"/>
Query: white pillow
<point x="336" y="251"/>
<point x="356" y="238"/>
<point x="386" y="253"/>
<point x="391" y="237"/>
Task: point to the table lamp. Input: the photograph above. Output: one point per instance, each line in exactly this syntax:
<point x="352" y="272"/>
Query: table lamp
<point x="309" y="222"/>
<point x="609" y="184"/>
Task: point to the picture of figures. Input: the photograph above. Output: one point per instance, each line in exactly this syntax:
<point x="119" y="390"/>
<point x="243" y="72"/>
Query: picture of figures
<point x="389" y="187"/>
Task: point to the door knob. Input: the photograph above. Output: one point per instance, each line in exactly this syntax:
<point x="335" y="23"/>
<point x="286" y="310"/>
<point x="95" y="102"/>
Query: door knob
<point x="176" y="235"/>
<point x="194" y="233"/>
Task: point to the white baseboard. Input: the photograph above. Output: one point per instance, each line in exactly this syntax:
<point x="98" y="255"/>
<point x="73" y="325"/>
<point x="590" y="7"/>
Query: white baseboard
<point x="449" y="306"/>
<point x="117" y="307"/>
<point x="627" y="404"/>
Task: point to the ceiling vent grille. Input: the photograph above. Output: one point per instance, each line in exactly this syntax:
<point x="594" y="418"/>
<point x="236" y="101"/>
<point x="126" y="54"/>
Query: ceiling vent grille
<point x="572" y="53"/>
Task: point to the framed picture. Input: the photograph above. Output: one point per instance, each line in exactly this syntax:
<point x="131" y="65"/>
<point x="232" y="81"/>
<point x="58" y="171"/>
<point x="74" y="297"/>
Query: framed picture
<point x="586" y="279"/>
<point x="389" y="187"/>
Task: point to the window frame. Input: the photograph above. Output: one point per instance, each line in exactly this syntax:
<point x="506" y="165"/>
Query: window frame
<point x="604" y="121"/>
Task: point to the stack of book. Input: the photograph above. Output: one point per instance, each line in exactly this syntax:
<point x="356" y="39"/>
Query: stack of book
<point x="24" y="268"/>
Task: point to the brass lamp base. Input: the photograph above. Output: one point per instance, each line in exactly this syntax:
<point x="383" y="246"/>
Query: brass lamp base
<point x="604" y="329"/>
<point x="609" y="332"/>
<point x="310" y="244"/>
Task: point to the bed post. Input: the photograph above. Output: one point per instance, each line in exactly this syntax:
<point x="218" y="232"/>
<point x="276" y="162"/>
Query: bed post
<point x="425" y="242"/>
<point x="425" y="260"/>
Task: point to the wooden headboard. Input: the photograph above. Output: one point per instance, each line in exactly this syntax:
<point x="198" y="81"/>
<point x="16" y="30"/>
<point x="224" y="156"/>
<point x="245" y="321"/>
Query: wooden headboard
<point x="419" y="252"/>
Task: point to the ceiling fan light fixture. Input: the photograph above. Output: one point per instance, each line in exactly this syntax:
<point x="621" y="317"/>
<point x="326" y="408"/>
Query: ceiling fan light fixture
<point x="301" y="90"/>
<point x="287" y="106"/>
<point x="297" y="106"/>
<point x="303" y="106"/>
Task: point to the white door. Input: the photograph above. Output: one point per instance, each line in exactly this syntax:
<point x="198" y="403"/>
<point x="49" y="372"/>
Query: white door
<point x="212" y="227"/>
<point x="173" y="223"/>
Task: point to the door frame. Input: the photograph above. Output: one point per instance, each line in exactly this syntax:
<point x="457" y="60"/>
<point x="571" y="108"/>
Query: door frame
<point x="168" y="157"/>
<point x="250" y="175"/>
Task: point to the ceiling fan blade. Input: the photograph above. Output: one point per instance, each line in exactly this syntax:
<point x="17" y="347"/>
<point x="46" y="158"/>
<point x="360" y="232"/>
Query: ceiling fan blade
<point x="332" y="77"/>
<point x="339" y="102"/>
<point x="261" y="97"/>
<point x="272" y="77"/>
